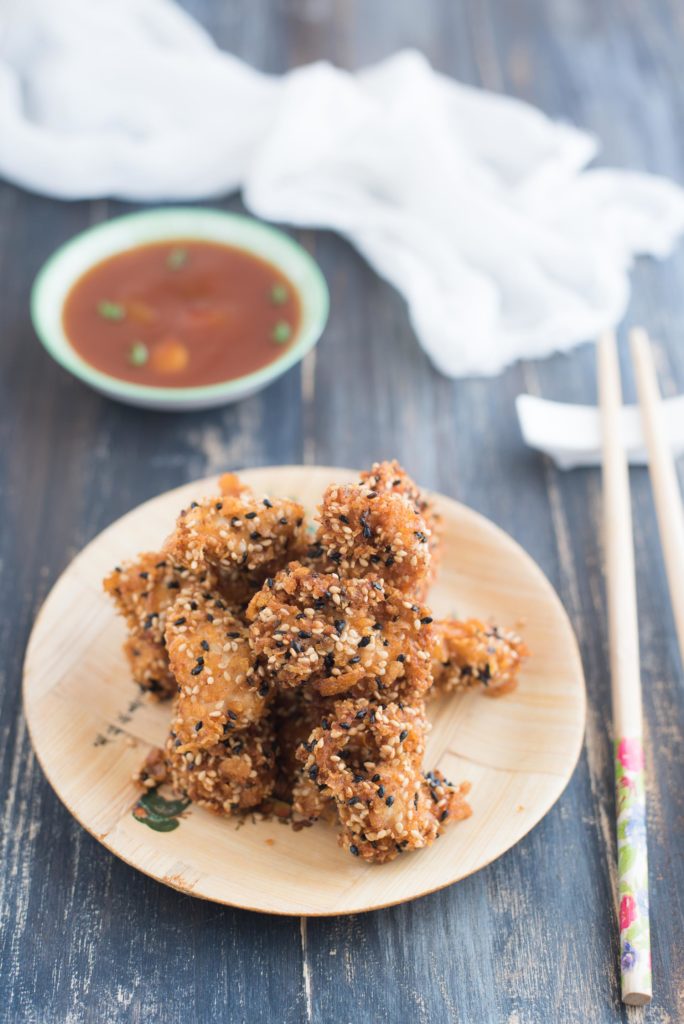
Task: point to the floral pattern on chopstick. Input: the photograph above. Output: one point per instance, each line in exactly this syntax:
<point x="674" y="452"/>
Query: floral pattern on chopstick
<point x="635" y="939"/>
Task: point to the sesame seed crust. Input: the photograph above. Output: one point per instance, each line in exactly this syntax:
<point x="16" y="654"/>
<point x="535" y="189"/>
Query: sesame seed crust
<point x="369" y="761"/>
<point x="392" y="478"/>
<point x="472" y="653"/>
<point x="340" y="635"/>
<point x="211" y="660"/>
<point x="365" y="532"/>
<point x="143" y="592"/>
<point x="243" y="537"/>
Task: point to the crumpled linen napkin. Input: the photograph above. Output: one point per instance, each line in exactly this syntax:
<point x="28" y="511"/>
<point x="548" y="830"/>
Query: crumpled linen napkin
<point x="476" y="207"/>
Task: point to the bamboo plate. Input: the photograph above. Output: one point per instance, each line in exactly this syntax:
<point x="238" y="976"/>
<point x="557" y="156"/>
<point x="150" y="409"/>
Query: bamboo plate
<point x="91" y="730"/>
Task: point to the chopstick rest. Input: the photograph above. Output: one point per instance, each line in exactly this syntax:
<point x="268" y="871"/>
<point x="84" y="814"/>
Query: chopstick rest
<point x="635" y="942"/>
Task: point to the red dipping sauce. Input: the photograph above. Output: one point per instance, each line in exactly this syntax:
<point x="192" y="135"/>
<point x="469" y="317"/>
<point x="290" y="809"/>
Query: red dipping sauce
<point x="181" y="313"/>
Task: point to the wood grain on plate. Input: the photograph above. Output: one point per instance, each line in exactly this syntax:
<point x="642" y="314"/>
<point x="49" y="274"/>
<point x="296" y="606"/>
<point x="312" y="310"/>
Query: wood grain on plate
<point x="90" y="731"/>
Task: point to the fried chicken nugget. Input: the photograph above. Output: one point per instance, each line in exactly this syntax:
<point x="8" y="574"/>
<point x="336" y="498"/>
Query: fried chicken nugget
<point x="363" y="531"/>
<point x="143" y="592"/>
<point x="470" y="652"/>
<point x="391" y="477"/>
<point x="234" y="775"/>
<point x="340" y="635"/>
<point x="244" y="538"/>
<point x="369" y="760"/>
<point x="211" y="660"/>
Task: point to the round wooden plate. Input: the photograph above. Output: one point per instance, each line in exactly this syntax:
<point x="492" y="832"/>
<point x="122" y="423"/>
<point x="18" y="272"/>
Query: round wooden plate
<point x="91" y="729"/>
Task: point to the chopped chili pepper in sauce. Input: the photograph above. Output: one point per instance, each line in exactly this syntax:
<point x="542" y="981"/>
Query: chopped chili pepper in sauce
<point x="181" y="313"/>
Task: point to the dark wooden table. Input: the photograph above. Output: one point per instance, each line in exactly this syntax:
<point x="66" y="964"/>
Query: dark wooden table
<point x="532" y="939"/>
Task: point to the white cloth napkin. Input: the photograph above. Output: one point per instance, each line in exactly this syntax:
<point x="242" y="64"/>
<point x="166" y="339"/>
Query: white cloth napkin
<point x="476" y="207"/>
<point x="571" y="434"/>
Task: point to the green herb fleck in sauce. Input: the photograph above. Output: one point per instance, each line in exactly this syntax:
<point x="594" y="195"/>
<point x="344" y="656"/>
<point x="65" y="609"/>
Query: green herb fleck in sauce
<point x="111" y="310"/>
<point x="279" y="294"/>
<point x="177" y="258"/>
<point x="138" y="354"/>
<point x="281" y="332"/>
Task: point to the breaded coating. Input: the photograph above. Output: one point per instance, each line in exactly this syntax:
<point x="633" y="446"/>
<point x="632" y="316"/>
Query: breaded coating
<point x="236" y="774"/>
<point x="391" y="477"/>
<point x="143" y="592"/>
<point x="471" y="652"/>
<point x="340" y="635"/>
<point x="243" y="538"/>
<point x="211" y="660"/>
<point x="296" y="713"/>
<point x="369" y="760"/>
<point x="362" y="532"/>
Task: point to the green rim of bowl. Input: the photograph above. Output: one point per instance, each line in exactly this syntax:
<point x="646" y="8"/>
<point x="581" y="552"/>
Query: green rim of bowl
<point x="201" y="223"/>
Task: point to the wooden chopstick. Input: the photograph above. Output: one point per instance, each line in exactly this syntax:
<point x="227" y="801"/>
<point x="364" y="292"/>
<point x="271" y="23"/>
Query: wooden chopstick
<point x="635" y="944"/>
<point x="666" y="493"/>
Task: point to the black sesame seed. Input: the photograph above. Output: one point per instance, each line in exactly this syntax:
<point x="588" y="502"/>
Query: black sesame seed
<point x="218" y="506"/>
<point x="339" y="625"/>
<point x="250" y="515"/>
<point x="233" y="635"/>
<point x="210" y="617"/>
<point x="444" y="815"/>
<point x="144" y="575"/>
<point x="325" y="724"/>
<point x="198" y="726"/>
<point x="196" y="670"/>
<point x="381" y="790"/>
<point x="263" y="689"/>
<point x="343" y="519"/>
<point x="193" y="504"/>
<point x="401" y="657"/>
<point x="426" y="620"/>
<point x="173" y="585"/>
<point x="204" y="645"/>
<point x="283" y="521"/>
<point x="193" y="606"/>
<point x="389" y="561"/>
<point x="355" y="660"/>
<point x="255" y="535"/>
<point x="180" y="622"/>
<point x="376" y="778"/>
<point x="362" y="713"/>
<point x="354" y="850"/>
<point x="389" y="801"/>
<point x="364" y="641"/>
<point x="377" y="585"/>
<point x="267" y="503"/>
<point x="402" y="735"/>
<point x="313" y="772"/>
<point x="353" y="800"/>
<point x="303" y="635"/>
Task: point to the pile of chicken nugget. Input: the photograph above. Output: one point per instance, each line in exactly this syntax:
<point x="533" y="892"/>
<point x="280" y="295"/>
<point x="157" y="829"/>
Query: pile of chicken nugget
<point x="300" y="659"/>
